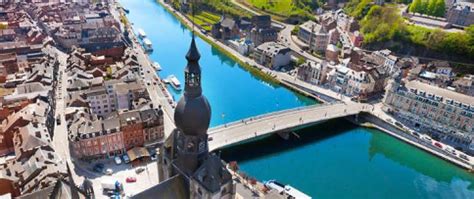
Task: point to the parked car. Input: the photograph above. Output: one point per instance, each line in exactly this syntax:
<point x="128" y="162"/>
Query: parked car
<point x="426" y="138"/>
<point x="130" y="179"/>
<point x="437" y="144"/>
<point x="118" y="160"/>
<point x="139" y="170"/>
<point x="399" y="124"/>
<point x="450" y="150"/>
<point x="126" y="159"/>
<point x="464" y="157"/>
<point x="109" y="171"/>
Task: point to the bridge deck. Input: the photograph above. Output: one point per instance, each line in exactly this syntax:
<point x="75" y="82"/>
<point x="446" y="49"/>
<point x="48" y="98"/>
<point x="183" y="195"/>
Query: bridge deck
<point x="239" y="131"/>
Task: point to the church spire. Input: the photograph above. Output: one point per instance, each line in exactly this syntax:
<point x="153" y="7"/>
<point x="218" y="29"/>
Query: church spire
<point x="192" y="73"/>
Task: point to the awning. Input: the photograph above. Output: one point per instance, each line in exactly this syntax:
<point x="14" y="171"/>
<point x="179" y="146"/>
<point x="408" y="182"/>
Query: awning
<point x="137" y="152"/>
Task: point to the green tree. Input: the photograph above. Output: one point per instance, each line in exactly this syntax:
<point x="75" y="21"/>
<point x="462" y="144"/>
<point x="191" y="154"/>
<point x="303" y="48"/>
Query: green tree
<point x="300" y="61"/>
<point x="470" y="40"/>
<point x="440" y="8"/>
<point x="415" y="6"/>
<point x="431" y="10"/>
<point x="423" y="7"/>
<point x="381" y="24"/>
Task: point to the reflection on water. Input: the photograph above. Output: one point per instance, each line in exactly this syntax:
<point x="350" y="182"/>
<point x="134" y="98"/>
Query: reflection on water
<point x="421" y="161"/>
<point x="339" y="160"/>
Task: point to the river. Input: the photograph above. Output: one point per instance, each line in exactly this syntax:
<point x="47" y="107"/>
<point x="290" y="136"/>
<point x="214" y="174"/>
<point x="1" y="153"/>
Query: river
<point x="332" y="160"/>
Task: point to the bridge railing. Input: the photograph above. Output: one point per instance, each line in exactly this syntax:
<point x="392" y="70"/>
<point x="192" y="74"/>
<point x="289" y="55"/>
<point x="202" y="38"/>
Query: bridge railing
<point x="253" y="118"/>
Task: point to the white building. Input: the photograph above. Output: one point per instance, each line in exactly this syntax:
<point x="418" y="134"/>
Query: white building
<point x="272" y="55"/>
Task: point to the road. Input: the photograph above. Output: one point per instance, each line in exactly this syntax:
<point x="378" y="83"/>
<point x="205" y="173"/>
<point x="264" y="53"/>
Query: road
<point x="157" y="90"/>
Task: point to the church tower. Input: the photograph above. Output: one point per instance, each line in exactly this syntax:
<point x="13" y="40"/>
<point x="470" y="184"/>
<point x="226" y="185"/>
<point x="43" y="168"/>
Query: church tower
<point x="192" y="116"/>
<point x="184" y="159"/>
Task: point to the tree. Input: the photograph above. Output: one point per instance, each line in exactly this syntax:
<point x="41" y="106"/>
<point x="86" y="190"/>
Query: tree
<point x="415" y="6"/>
<point x="300" y="61"/>
<point x="431" y="10"/>
<point x="423" y="7"/>
<point x="440" y="8"/>
<point x="470" y="40"/>
<point x="381" y="24"/>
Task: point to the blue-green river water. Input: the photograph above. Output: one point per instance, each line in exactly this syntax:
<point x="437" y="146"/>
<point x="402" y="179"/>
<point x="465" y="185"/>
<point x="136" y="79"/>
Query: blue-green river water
<point x="331" y="160"/>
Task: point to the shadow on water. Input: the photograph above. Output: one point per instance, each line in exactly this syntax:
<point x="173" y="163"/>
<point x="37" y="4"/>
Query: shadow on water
<point x="274" y="144"/>
<point x="417" y="159"/>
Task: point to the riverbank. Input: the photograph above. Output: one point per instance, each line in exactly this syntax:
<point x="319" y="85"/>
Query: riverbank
<point x="404" y="136"/>
<point x="219" y="46"/>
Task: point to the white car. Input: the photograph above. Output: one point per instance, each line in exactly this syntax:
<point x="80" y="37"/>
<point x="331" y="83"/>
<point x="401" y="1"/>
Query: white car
<point x="426" y="138"/>
<point x="118" y="160"/>
<point x="109" y="171"/>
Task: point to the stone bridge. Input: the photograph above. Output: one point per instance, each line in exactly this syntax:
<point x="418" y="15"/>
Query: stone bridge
<point x="280" y="122"/>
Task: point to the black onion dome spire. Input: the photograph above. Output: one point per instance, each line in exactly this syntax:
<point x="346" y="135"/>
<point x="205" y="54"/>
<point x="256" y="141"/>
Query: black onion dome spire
<point x="193" y="53"/>
<point x="193" y="72"/>
<point x="193" y="113"/>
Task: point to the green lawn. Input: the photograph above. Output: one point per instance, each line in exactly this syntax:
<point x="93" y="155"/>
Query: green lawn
<point x="284" y="8"/>
<point x="205" y="19"/>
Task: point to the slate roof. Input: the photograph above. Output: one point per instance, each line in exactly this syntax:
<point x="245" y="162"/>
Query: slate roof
<point x="175" y="188"/>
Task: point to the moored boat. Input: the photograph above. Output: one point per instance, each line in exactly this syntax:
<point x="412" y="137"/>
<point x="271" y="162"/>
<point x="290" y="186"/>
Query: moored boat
<point x="141" y="33"/>
<point x="173" y="81"/>
<point x="286" y="189"/>
<point x="147" y="45"/>
<point x="157" y="66"/>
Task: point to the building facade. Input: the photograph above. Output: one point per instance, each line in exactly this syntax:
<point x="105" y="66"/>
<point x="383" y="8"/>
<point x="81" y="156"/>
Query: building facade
<point x="312" y="72"/>
<point x="272" y="55"/>
<point x="461" y="14"/>
<point x="314" y="35"/>
<point x="432" y="108"/>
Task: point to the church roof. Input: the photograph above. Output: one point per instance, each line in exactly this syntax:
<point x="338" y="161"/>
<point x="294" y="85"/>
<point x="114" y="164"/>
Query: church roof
<point x="212" y="174"/>
<point x="174" y="187"/>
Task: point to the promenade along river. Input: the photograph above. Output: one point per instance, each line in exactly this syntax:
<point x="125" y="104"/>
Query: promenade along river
<point x="331" y="160"/>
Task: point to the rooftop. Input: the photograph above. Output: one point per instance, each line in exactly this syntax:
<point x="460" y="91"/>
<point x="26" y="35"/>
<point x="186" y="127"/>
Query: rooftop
<point x="440" y="92"/>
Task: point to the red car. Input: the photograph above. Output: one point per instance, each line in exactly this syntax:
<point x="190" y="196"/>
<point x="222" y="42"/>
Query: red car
<point x="131" y="179"/>
<point x="437" y="144"/>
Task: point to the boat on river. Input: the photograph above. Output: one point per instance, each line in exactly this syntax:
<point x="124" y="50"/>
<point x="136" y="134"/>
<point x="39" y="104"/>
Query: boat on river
<point x="141" y="33"/>
<point x="286" y="189"/>
<point x="156" y="66"/>
<point x="173" y="81"/>
<point x="147" y="45"/>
